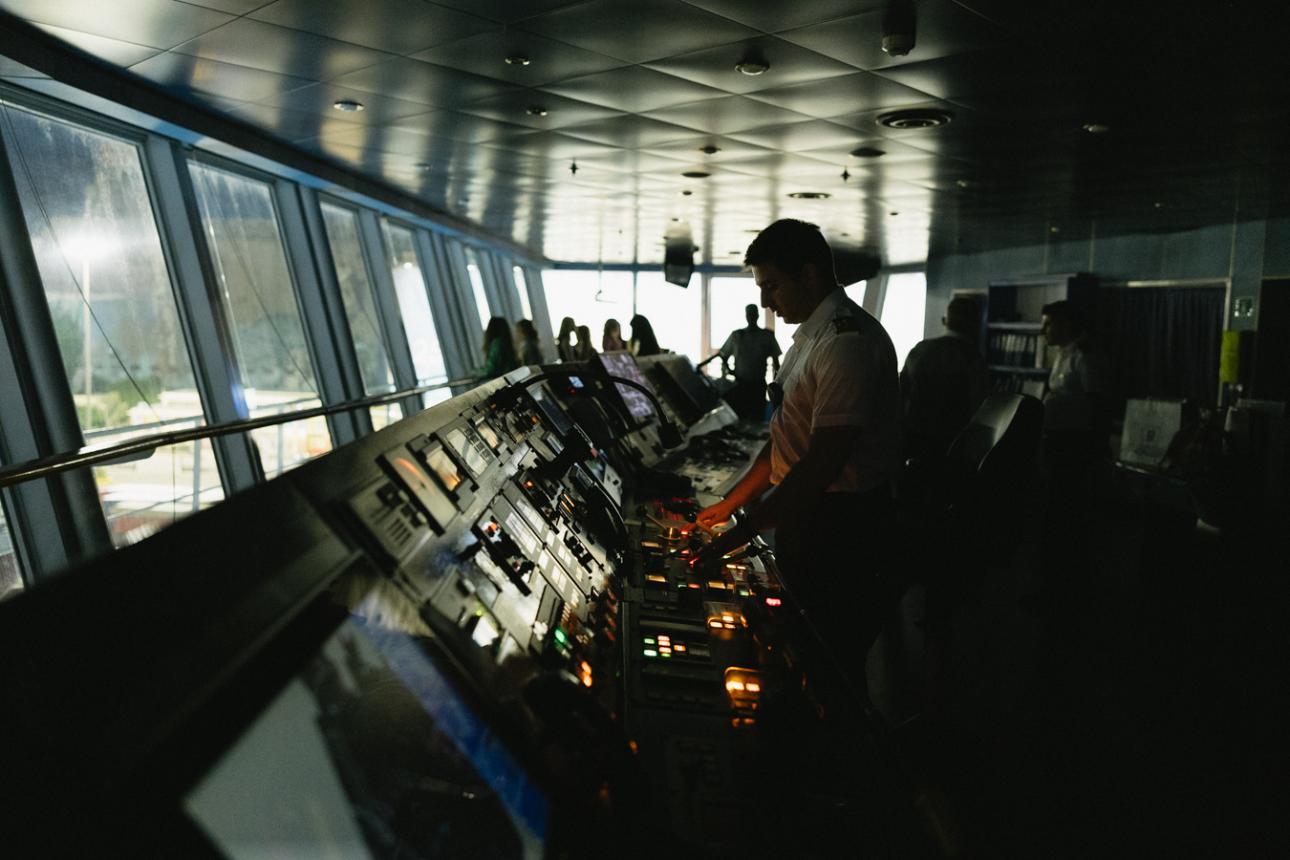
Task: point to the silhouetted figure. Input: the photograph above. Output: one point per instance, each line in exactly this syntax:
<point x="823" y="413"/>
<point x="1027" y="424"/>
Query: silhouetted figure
<point x="750" y="347"/>
<point x="526" y="340"/>
<point x="584" y="351"/>
<point x="612" y="339"/>
<point x="643" y="341"/>
<point x="834" y="447"/>
<point x="564" y="340"/>
<point x="499" y="349"/>
<point x="942" y="383"/>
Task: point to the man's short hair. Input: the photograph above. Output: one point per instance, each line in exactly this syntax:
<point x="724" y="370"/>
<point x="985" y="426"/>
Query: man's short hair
<point x="790" y="244"/>
<point x="1064" y="312"/>
<point x="963" y="316"/>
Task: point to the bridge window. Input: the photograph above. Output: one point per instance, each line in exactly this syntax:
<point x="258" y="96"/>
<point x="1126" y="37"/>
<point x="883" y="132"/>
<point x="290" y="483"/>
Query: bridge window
<point x="10" y="578"/>
<point x="105" y="278"/>
<point x="903" y="311"/>
<point x="522" y="287"/>
<point x="414" y="308"/>
<point x="476" y="276"/>
<point x="674" y="312"/>
<point x="241" y="225"/>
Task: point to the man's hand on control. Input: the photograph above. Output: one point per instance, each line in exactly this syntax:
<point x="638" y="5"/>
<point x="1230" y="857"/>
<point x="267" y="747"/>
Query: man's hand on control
<point x="713" y="516"/>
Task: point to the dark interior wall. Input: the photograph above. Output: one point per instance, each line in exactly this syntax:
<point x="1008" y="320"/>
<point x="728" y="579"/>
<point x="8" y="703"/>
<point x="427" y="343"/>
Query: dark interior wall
<point x="1245" y="251"/>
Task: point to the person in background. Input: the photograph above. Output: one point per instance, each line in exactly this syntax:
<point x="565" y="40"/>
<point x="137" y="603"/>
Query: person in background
<point x="584" y="351"/>
<point x="643" y="341"/>
<point x="1076" y="417"/>
<point x="526" y="339"/>
<point x="750" y="347"/>
<point x="499" y="350"/>
<point x="943" y="382"/>
<point x="564" y="340"/>
<point x="612" y="341"/>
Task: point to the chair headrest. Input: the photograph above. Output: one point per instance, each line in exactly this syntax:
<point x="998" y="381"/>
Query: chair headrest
<point x="1004" y="425"/>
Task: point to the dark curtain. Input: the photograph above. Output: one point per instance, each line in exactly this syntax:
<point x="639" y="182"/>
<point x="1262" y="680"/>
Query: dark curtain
<point x="1162" y="341"/>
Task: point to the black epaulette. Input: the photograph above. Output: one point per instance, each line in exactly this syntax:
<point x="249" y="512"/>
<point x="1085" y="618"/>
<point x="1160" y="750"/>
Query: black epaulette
<point x="845" y="325"/>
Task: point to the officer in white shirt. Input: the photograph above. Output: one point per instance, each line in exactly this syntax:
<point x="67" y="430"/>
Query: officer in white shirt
<point x="834" y="446"/>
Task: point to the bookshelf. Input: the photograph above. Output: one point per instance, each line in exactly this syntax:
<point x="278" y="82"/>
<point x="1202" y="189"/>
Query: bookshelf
<point x="1018" y="357"/>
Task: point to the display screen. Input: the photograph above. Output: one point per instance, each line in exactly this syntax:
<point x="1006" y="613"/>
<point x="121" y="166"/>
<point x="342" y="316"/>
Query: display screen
<point x="438" y="461"/>
<point x="622" y="364"/>
<point x="488" y="434"/>
<point x="472" y="449"/>
<point x="551" y="410"/>
<point x="369" y="752"/>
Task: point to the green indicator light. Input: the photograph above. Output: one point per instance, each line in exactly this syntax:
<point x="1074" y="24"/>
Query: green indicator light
<point x="649" y="641"/>
<point x="561" y="637"/>
<point x="743" y="592"/>
<point x="667" y="653"/>
<point x="650" y="652"/>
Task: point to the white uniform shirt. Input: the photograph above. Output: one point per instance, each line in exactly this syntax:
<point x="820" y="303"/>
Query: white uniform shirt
<point x="1075" y="377"/>
<point x="839" y="372"/>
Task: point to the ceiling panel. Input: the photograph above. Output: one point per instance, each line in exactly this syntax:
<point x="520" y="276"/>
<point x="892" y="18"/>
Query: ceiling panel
<point x="633" y="89"/>
<point x="639" y="31"/>
<point x="727" y="115"/>
<point x="184" y="74"/>
<point x="839" y="96"/>
<point x="415" y="81"/>
<point x="538" y="109"/>
<point x="393" y="26"/>
<point x="109" y="50"/>
<point x="154" y="23"/>
<point x="943" y="28"/>
<point x="788" y="64"/>
<point x="548" y="60"/>
<point x="278" y="49"/>
<point x="771" y="16"/>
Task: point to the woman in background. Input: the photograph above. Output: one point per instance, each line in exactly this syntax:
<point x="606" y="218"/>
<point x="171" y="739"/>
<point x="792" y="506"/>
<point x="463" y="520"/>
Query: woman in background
<point x="499" y="349"/>
<point x="563" y="342"/>
<point x="643" y="341"/>
<point x="612" y="340"/>
<point x="526" y="339"/>
<point x="584" y="351"/>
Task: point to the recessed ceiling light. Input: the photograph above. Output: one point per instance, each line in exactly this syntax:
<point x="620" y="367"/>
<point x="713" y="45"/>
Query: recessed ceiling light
<point x="868" y="152"/>
<point x="914" y="118"/>
<point x="1158" y="205"/>
<point x="696" y="174"/>
<point x="517" y="60"/>
<point x="962" y="183"/>
<point x="1096" y="128"/>
<point x="809" y="195"/>
<point x="752" y="67"/>
<point x="709" y="149"/>
<point x="536" y="110"/>
<point x="686" y="193"/>
<point x="348" y="106"/>
<point x="893" y="214"/>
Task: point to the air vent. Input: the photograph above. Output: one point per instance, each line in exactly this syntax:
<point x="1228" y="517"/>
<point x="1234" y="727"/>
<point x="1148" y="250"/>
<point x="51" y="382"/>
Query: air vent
<point x="914" y="118"/>
<point x="696" y="174"/>
<point x="710" y="149"/>
<point x="536" y="110"/>
<point x="348" y="106"/>
<point x="809" y="195"/>
<point x="868" y="152"/>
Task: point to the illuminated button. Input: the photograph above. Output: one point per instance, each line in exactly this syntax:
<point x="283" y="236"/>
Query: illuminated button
<point x="695" y="585"/>
<point x="666" y="654"/>
<point x="654" y="577"/>
<point x="729" y="619"/>
<point x="649" y="641"/>
<point x="743" y="592"/>
<point x="650" y="652"/>
<point x="679" y="648"/>
<point x="715" y="623"/>
<point x="561" y="637"/>
<point x="734" y="685"/>
<point x="752" y="687"/>
<point x="774" y="601"/>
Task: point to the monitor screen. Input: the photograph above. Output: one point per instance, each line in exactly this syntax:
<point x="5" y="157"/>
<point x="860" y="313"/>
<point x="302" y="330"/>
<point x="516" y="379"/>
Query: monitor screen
<point x="370" y="752"/>
<point x="443" y="467"/>
<point x="622" y="364"/>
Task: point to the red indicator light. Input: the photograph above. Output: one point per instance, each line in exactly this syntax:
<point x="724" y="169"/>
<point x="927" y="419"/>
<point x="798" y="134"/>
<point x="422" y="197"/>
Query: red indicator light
<point x="774" y="601"/>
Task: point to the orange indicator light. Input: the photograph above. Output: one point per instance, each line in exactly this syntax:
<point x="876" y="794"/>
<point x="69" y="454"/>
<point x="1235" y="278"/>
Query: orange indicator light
<point x="680" y="648"/>
<point x="715" y="623"/>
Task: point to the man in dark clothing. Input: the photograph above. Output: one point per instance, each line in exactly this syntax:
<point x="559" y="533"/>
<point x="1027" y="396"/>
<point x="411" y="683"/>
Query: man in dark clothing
<point x="942" y="383"/>
<point x="750" y="347"/>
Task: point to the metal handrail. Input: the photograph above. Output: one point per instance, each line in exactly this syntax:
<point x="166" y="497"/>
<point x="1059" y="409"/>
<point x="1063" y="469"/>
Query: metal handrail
<point x="144" y="446"/>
